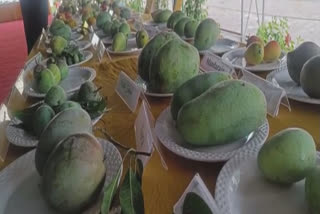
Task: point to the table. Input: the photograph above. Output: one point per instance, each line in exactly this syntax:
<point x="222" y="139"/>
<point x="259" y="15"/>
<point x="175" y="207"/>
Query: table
<point x="163" y="188"/>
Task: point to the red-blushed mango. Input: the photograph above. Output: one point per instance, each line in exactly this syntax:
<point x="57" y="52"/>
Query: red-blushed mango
<point x="272" y="51"/>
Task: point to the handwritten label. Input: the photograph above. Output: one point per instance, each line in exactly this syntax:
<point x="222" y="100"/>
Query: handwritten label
<point x="143" y="133"/>
<point x="197" y="186"/>
<point x="31" y="63"/>
<point x="128" y="91"/>
<point x="101" y="50"/>
<point x="95" y="40"/>
<point x="212" y="62"/>
<point x="275" y="95"/>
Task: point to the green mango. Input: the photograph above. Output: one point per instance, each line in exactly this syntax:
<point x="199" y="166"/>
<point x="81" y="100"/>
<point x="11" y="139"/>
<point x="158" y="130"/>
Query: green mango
<point x="119" y="42"/>
<point x="142" y="38"/>
<point x="115" y="27"/>
<point x="125" y="29"/>
<point x="64" y="124"/>
<point x="74" y="173"/>
<point x="66" y="105"/>
<point x="149" y="50"/>
<point x="107" y="28"/>
<point x="64" y="69"/>
<point x="55" y="72"/>
<point x="226" y="112"/>
<point x="125" y="13"/>
<point x="58" y="44"/>
<point x="64" y="31"/>
<point x="45" y="81"/>
<point x="88" y="92"/>
<point x="194" y="88"/>
<point x="173" y="64"/>
<point x="161" y="16"/>
<point x="207" y="34"/>
<point x="41" y="118"/>
<point x="312" y="187"/>
<point x="174" y="18"/>
<point x="102" y="18"/>
<point x="288" y="157"/>
<point x="310" y="76"/>
<point x="179" y="27"/>
<point x="190" y="28"/>
<point x="55" y="96"/>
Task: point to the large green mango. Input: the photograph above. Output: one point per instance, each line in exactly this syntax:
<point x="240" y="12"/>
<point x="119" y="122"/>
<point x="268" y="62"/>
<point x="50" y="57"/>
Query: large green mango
<point x="223" y="114"/>
<point x="65" y="123"/>
<point x="149" y="50"/>
<point x="190" y="28"/>
<point x="102" y="18"/>
<point x="312" y="187"/>
<point x="173" y="64"/>
<point x="179" y="27"/>
<point x="174" y="18"/>
<point x="288" y="157"/>
<point x="73" y="175"/>
<point x="194" y="88"/>
<point x="41" y="118"/>
<point x="161" y="16"/>
<point x="207" y="34"/>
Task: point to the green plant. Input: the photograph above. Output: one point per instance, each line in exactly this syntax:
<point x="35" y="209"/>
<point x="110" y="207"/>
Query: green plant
<point x="136" y="5"/>
<point x="161" y="4"/>
<point x="195" y="9"/>
<point x="278" y="29"/>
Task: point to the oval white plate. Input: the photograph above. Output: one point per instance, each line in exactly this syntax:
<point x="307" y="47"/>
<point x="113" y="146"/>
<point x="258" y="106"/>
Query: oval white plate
<point x="19" y="137"/>
<point x="76" y="36"/>
<point x="222" y="46"/>
<point x="236" y="59"/>
<point x="76" y="77"/>
<point x="241" y="189"/>
<point x="169" y="136"/>
<point x="108" y="40"/>
<point x="294" y="91"/>
<point x="132" y="49"/>
<point x="19" y="182"/>
<point x="142" y="84"/>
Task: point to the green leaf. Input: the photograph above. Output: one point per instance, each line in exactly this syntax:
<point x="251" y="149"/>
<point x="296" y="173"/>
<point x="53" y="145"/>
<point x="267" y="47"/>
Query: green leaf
<point x="194" y="204"/>
<point x="109" y="193"/>
<point x="131" y="197"/>
<point x="139" y="170"/>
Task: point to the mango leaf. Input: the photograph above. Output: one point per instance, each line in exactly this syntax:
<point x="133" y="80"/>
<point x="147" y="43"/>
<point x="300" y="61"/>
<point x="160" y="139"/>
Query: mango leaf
<point x="131" y="197"/>
<point x="194" y="204"/>
<point x="109" y="193"/>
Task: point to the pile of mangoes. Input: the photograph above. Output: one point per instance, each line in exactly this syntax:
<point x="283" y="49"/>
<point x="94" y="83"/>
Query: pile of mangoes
<point x="47" y="76"/>
<point x="257" y="52"/>
<point x="289" y="157"/>
<point x="212" y="109"/>
<point x="166" y="62"/>
<point x="303" y="66"/>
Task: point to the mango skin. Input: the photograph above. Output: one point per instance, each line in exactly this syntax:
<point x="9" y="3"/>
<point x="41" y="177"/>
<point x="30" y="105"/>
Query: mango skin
<point x="312" y="187"/>
<point x="149" y="50"/>
<point x="142" y="38"/>
<point x="45" y="81"/>
<point x="190" y="28"/>
<point x="194" y="88"/>
<point x="310" y="77"/>
<point x="179" y="27"/>
<point x="63" y="67"/>
<point x="66" y="105"/>
<point x="172" y="65"/>
<point x="174" y="18"/>
<point x="161" y="16"/>
<point x="272" y="51"/>
<point x="119" y="42"/>
<point x="288" y="156"/>
<point x="224" y="113"/>
<point x="107" y="28"/>
<point x="65" y="123"/>
<point x="298" y="57"/>
<point x="125" y="29"/>
<point x="55" y="96"/>
<point x="55" y="72"/>
<point x="41" y="118"/>
<point x="207" y="34"/>
<point x="74" y="173"/>
<point x="254" y="54"/>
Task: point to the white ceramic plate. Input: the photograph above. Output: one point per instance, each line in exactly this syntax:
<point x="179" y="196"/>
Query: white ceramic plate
<point x="143" y="85"/>
<point x="19" y="182"/>
<point x="294" y="91"/>
<point x="241" y="189"/>
<point x="19" y="137"/>
<point x="132" y="49"/>
<point x="169" y="136"/>
<point x="76" y="36"/>
<point x="108" y="40"/>
<point x="222" y="46"/>
<point x="236" y="59"/>
<point x="76" y="77"/>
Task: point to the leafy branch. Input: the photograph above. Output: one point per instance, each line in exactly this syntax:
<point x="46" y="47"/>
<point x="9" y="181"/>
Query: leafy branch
<point x="195" y="9"/>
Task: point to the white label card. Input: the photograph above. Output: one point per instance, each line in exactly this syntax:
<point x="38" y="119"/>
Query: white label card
<point x="143" y="133"/>
<point x="197" y="186"/>
<point x="212" y="62"/>
<point x="31" y="63"/>
<point x="95" y="40"/>
<point x="101" y="51"/>
<point x="275" y="95"/>
<point x="128" y="91"/>
<point x="44" y="33"/>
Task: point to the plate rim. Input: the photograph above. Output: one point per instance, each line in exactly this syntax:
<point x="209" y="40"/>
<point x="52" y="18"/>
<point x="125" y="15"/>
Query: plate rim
<point x="123" y="53"/>
<point x="257" y="140"/>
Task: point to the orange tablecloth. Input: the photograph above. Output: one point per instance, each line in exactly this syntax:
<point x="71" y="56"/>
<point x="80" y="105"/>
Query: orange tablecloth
<point x="162" y="188"/>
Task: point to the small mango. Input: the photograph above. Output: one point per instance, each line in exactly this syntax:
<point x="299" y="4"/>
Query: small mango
<point x="63" y="68"/>
<point x="55" y="96"/>
<point x="125" y="29"/>
<point x="119" y="42"/>
<point x="253" y="39"/>
<point x="45" y="81"/>
<point x="55" y="72"/>
<point x="58" y="44"/>
<point x="142" y="38"/>
<point x="272" y="51"/>
<point x="254" y="54"/>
